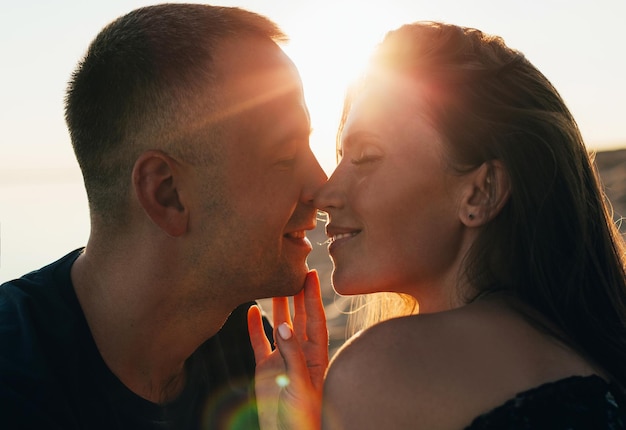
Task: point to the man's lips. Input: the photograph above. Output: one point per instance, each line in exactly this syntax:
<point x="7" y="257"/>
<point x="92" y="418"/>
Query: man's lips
<point x="300" y="234"/>
<point x="298" y="238"/>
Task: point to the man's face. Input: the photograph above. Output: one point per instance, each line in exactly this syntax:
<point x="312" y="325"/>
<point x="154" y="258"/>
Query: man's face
<point x="269" y="172"/>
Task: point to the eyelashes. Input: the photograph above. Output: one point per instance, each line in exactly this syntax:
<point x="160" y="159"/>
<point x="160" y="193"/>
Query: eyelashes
<point x="365" y="159"/>
<point x="360" y="153"/>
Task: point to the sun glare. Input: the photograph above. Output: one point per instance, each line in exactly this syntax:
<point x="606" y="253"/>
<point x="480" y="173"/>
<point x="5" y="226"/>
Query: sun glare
<point x="331" y="50"/>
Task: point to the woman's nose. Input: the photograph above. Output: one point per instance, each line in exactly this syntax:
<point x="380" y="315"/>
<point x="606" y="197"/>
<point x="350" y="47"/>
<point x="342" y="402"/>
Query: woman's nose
<point x="329" y="195"/>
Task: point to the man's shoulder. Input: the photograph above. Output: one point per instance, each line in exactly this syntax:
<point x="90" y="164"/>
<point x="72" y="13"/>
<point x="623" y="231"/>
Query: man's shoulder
<point x="32" y="282"/>
<point x="44" y="353"/>
<point x="38" y="316"/>
<point x="35" y="293"/>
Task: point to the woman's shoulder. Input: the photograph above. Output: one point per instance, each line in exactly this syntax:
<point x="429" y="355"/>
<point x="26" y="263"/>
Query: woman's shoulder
<point x="398" y="370"/>
<point x="433" y="340"/>
<point x="400" y="341"/>
<point x="445" y="368"/>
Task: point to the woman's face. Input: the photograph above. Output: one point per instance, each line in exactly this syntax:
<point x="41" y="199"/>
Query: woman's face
<point x="393" y="203"/>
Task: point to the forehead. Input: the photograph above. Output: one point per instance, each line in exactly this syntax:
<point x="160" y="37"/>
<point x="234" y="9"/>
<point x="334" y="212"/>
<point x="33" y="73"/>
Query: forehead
<point x="392" y="115"/>
<point x="259" y="88"/>
<point x="385" y="103"/>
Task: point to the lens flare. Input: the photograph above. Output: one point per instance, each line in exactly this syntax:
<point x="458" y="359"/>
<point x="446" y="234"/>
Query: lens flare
<point x="282" y="380"/>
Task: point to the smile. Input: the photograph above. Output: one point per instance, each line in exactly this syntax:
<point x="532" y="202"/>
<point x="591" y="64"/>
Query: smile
<point x="299" y="239"/>
<point x="296" y="235"/>
<point x="340" y="236"/>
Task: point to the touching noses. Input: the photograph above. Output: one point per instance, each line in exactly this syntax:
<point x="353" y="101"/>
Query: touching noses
<point x="328" y="196"/>
<point x="315" y="177"/>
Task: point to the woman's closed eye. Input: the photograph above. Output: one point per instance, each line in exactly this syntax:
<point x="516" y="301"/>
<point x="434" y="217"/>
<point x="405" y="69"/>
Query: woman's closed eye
<point x="360" y="149"/>
<point x="364" y="158"/>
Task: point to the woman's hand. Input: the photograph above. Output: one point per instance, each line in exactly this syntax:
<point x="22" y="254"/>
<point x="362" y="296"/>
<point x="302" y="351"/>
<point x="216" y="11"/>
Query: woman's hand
<point x="290" y="379"/>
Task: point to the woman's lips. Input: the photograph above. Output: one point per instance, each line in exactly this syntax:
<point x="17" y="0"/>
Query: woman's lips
<point x="338" y="239"/>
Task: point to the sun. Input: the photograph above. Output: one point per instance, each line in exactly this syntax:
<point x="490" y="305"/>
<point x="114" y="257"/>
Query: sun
<point x="330" y="47"/>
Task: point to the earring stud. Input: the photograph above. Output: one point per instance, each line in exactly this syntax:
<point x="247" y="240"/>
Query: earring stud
<point x="471" y="216"/>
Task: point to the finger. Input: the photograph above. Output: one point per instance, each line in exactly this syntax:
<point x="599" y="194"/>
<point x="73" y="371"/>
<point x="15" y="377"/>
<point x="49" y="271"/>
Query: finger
<point x="260" y="344"/>
<point x="280" y="312"/>
<point x="317" y="332"/>
<point x="300" y="317"/>
<point x="300" y="406"/>
<point x="295" y="361"/>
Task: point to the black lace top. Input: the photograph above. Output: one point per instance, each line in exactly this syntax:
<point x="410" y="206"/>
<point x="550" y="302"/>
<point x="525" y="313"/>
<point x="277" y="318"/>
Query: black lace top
<point x="573" y="403"/>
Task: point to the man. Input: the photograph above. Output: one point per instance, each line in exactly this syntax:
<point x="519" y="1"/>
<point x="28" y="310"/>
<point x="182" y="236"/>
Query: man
<point x="191" y="131"/>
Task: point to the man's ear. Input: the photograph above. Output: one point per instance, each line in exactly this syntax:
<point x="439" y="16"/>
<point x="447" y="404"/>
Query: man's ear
<point x="155" y="183"/>
<point x="487" y="192"/>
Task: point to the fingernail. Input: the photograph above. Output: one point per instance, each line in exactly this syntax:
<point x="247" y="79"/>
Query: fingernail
<point x="284" y="331"/>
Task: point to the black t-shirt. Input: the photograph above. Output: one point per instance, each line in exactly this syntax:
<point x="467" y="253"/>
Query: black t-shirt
<point x="52" y="375"/>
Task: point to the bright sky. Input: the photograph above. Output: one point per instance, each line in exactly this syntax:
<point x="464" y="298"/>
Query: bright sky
<point x="578" y="44"/>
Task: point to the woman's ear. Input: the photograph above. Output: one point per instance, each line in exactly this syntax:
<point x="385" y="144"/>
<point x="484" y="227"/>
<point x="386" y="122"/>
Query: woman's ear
<point x="155" y="181"/>
<point x="487" y="192"/>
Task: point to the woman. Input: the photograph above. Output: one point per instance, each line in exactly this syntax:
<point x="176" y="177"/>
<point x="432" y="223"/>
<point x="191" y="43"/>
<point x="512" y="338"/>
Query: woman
<point x="464" y="186"/>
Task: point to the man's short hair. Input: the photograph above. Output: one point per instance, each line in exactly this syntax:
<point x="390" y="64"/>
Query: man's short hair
<point x="146" y="83"/>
